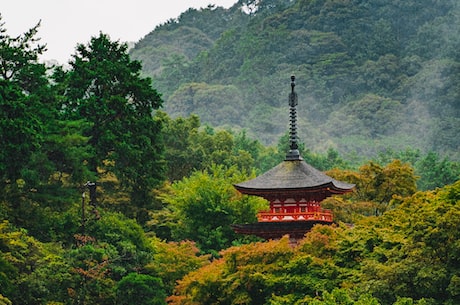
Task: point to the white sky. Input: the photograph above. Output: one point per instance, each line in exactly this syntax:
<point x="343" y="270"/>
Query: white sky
<point x="66" y="23"/>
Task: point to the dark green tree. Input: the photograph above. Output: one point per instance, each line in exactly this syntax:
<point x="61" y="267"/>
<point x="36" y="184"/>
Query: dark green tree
<point x="20" y="106"/>
<point x="31" y="171"/>
<point x="140" y="289"/>
<point x="105" y="88"/>
<point x="183" y="155"/>
<point x="436" y="172"/>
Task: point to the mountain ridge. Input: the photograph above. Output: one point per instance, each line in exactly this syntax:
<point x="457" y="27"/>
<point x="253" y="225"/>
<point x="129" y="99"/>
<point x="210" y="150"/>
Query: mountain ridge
<point x="371" y="76"/>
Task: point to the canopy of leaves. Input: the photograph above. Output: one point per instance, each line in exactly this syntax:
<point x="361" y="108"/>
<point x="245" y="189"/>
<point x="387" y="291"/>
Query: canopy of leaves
<point x="173" y="260"/>
<point x="104" y="87"/>
<point x="407" y="256"/>
<point x="203" y="206"/>
<point x="140" y="289"/>
<point x="370" y="75"/>
<point x="24" y="104"/>
<point x="143" y="231"/>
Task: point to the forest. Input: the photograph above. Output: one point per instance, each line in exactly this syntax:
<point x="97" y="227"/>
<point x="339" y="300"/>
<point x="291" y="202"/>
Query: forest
<point x="109" y="197"/>
<point x="375" y="75"/>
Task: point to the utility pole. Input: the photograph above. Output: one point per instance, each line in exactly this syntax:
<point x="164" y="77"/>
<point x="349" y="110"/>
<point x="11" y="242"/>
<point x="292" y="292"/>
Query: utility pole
<point x="83" y="217"/>
<point x="91" y="186"/>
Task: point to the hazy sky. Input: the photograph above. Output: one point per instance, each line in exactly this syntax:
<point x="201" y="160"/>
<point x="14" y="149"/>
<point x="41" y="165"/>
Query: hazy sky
<point x="65" y="23"/>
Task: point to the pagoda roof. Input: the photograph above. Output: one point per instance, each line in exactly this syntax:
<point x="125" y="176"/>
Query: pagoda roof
<point x="293" y="176"/>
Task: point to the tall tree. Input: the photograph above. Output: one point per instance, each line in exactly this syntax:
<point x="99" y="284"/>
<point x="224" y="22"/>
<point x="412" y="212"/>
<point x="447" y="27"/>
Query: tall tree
<point x="20" y="79"/>
<point x="28" y="131"/>
<point x="105" y="88"/>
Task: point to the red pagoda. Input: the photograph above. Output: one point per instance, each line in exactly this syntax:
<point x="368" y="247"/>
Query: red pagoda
<point x="294" y="189"/>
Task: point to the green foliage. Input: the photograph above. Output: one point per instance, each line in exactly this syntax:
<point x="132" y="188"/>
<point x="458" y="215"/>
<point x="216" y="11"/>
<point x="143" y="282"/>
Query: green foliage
<point x="22" y="88"/>
<point x="204" y="205"/>
<point x="140" y="289"/>
<point x="112" y="248"/>
<point x="127" y="242"/>
<point x="173" y="260"/>
<point x="104" y="87"/>
<point x="210" y="101"/>
<point x="436" y="172"/>
<point x="100" y="121"/>
<point x="4" y="300"/>
<point x="433" y="170"/>
<point x="342" y="297"/>
<point x="371" y="116"/>
<point x="191" y="147"/>
<point x="370" y="75"/>
<point x="33" y="165"/>
<point x="383" y="186"/>
<point x="35" y="271"/>
<point x="90" y="266"/>
<point x="67" y="150"/>
<point x="408" y="255"/>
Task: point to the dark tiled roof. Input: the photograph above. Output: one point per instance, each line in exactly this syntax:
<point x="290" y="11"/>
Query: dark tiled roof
<point x="294" y="175"/>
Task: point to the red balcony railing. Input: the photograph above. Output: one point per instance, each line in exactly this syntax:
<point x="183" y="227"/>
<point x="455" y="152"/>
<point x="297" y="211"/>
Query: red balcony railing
<point x="323" y="215"/>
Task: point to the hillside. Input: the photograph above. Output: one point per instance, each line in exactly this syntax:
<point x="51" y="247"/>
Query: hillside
<point x="370" y="76"/>
<point x="103" y="203"/>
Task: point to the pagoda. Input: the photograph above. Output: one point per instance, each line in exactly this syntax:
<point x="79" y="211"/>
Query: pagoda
<point x="294" y="190"/>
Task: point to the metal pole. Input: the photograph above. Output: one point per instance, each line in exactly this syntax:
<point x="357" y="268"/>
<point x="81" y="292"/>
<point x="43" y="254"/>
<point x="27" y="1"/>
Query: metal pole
<point x="83" y="217"/>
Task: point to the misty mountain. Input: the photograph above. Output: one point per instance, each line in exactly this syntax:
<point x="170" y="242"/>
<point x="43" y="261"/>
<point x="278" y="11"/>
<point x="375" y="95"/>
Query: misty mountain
<point x="371" y="75"/>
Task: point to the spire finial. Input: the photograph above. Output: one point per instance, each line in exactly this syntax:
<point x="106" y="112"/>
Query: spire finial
<point x="293" y="153"/>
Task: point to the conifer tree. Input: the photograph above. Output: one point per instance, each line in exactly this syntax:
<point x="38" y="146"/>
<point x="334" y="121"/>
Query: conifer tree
<point x="104" y="87"/>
